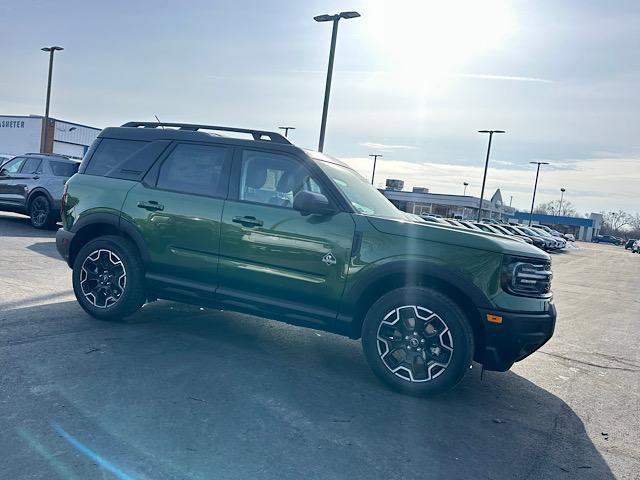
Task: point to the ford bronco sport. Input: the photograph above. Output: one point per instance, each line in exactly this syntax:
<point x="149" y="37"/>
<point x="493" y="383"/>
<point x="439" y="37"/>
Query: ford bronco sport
<point x="258" y="225"/>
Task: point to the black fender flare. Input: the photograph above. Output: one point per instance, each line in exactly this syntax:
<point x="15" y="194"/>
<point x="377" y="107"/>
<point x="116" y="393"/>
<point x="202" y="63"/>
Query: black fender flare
<point x="423" y="268"/>
<point x="122" y="225"/>
<point x="350" y="318"/>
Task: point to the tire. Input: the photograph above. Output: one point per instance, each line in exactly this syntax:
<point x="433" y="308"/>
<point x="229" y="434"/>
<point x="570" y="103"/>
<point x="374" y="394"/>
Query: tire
<point x="441" y="348"/>
<point x="108" y="278"/>
<point x="41" y="213"/>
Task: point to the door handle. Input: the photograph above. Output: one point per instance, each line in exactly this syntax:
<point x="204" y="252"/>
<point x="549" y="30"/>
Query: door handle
<point x="35" y="177"/>
<point x="151" y="205"/>
<point x="248" y="221"/>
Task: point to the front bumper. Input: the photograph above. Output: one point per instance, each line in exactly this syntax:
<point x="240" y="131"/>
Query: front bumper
<point x="518" y="336"/>
<point x="63" y="243"/>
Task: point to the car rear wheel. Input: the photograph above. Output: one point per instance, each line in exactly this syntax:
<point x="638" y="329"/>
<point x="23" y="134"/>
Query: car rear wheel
<point x="108" y="278"/>
<point x="418" y="341"/>
<point x="41" y="214"/>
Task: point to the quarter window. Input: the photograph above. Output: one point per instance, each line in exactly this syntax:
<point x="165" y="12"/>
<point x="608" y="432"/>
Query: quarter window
<point x="273" y="179"/>
<point x="63" y="169"/>
<point x="111" y="153"/>
<point x="198" y="169"/>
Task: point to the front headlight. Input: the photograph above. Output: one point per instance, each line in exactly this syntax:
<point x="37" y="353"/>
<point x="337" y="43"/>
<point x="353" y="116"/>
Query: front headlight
<point x="530" y="277"/>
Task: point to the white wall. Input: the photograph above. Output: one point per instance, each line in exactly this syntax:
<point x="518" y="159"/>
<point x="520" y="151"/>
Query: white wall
<point x="19" y="134"/>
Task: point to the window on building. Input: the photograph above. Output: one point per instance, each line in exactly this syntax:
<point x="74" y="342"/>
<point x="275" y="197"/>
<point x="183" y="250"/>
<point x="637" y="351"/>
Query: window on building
<point x="198" y="169"/>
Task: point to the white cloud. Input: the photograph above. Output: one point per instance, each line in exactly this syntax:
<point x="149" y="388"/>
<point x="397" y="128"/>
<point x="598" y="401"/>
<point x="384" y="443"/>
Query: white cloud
<point x="513" y="78"/>
<point x="383" y="146"/>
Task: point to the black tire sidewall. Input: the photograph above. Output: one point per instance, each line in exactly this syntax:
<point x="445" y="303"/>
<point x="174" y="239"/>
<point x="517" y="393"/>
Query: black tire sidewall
<point x="450" y="313"/>
<point x="132" y="298"/>
<point x="49" y="220"/>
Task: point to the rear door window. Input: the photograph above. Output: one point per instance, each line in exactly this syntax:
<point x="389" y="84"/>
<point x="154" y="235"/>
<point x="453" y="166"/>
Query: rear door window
<point x="111" y="153"/>
<point x="197" y="169"/>
<point x="32" y="166"/>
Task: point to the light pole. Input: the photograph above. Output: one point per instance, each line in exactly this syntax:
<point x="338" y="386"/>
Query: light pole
<point x="535" y="187"/>
<point x="466" y="184"/>
<point x="286" y="130"/>
<point x="486" y="166"/>
<point x="562" y="190"/>
<point x="51" y="51"/>
<point x="375" y="159"/>
<point x="327" y="89"/>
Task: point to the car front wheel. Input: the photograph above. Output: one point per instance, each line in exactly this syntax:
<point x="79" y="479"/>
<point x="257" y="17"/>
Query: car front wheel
<point x="108" y="278"/>
<point x="418" y="341"/>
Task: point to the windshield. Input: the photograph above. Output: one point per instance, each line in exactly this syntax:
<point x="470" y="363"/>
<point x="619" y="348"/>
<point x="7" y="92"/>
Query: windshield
<point x="362" y="196"/>
<point x="502" y="230"/>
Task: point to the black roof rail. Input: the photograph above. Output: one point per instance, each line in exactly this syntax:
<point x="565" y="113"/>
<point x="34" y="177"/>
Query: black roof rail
<point x="258" y="135"/>
<point x="40" y="153"/>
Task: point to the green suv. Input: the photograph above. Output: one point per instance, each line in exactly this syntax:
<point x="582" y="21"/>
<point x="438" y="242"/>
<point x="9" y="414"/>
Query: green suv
<point x="258" y="225"/>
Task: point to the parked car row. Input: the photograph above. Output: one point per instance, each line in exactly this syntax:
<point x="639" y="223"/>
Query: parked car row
<point x="540" y="236"/>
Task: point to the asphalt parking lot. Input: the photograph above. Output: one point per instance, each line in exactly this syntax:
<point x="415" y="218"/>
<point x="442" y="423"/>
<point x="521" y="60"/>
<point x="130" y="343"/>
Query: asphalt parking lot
<point x="181" y="392"/>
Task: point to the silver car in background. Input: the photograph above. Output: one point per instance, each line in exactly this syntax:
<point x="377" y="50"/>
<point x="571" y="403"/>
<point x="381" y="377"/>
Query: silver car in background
<point x="33" y="184"/>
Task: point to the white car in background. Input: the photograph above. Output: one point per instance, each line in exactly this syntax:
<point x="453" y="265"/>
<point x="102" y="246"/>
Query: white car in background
<point x="4" y="158"/>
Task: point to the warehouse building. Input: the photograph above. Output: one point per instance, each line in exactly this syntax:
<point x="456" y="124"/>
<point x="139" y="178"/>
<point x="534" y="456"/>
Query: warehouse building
<point x="23" y="134"/>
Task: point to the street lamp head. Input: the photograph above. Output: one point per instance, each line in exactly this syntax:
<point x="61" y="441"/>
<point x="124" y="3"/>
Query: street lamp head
<point x="539" y="163"/>
<point x="563" y="190"/>
<point x="349" y="14"/>
<point x="466" y="184"/>
<point x="48" y="49"/>
<point x="287" y="128"/>
<point x="491" y="131"/>
<point x="375" y="155"/>
<point x="324" y="18"/>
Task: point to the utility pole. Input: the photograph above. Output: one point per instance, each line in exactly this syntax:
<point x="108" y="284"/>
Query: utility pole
<point x="45" y="139"/>
<point x="535" y="187"/>
<point x="286" y="130"/>
<point x="375" y="159"/>
<point x="486" y="166"/>
<point x="332" y="52"/>
<point x="562" y="190"/>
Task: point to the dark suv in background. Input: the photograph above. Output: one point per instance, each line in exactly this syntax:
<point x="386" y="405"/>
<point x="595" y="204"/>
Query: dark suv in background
<point x="33" y="183"/>
<point x="607" y="239"/>
<point x="261" y="226"/>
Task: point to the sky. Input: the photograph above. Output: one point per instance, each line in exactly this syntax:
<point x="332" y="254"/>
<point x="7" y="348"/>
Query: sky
<point x="413" y="81"/>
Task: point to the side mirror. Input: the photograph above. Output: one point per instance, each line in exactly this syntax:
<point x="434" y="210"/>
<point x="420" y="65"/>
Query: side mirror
<point x="312" y="203"/>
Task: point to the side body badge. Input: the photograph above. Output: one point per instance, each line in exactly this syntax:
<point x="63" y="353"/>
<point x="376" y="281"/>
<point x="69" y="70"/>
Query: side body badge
<point x="329" y="259"/>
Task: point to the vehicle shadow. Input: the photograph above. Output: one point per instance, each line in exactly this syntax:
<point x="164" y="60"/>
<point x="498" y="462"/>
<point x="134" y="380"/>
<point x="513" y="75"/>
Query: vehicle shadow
<point x="181" y="392"/>
<point x="15" y="225"/>
<point x="47" y="249"/>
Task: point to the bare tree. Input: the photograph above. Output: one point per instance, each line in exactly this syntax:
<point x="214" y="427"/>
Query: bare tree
<point x="614" y="222"/>
<point x="554" y="208"/>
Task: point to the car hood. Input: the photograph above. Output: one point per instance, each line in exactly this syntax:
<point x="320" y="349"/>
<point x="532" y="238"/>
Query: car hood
<point x="463" y="237"/>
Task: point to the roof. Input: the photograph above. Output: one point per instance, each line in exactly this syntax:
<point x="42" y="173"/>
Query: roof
<point x="50" y="156"/>
<point x="555" y="219"/>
